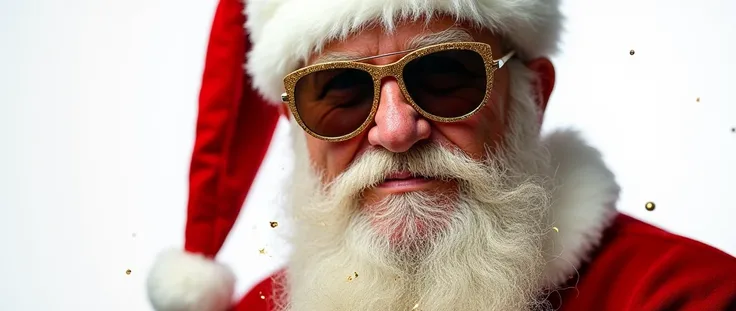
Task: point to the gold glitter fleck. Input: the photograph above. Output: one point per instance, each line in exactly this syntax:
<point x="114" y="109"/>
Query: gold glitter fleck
<point x="274" y="224"/>
<point x="262" y="251"/>
<point x="632" y="52"/>
<point x="697" y="99"/>
<point x="128" y="272"/>
<point x="415" y="307"/>
<point x="350" y="278"/>
<point x="650" y="206"/>
<point x="556" y="229"/>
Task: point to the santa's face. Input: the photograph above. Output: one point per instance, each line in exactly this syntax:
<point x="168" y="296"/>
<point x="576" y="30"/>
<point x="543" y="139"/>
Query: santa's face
<point x="444" y="215"/>
<point x="398" y="127"/>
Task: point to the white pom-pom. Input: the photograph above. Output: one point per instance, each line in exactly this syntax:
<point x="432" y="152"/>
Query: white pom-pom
<point x="181" y="281"/>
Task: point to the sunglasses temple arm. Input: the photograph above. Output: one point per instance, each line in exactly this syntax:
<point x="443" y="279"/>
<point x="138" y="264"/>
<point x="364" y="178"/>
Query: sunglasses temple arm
<point x="500" y="62"/>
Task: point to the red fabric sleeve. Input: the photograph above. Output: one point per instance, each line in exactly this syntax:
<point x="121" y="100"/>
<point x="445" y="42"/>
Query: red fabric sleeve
<point x="641" y="267"/>
<point x="259" y="298"/>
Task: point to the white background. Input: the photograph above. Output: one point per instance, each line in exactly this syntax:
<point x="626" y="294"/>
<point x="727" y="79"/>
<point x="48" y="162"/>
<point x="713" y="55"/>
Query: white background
<point x="97" y="111"/>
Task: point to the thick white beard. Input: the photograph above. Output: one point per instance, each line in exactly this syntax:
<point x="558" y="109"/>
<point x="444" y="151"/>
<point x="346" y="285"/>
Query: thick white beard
<point x="484" y="253"/>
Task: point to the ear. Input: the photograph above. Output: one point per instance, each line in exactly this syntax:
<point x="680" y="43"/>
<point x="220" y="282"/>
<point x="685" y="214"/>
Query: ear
<point x="544" y="84"/>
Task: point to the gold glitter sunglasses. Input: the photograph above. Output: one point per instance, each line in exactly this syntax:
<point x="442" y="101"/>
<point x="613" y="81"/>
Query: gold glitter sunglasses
<point x="336" y="101"/>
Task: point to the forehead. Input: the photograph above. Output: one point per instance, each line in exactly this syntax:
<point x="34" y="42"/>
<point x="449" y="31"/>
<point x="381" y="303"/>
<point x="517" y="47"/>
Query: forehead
<point x="407" y="35"/>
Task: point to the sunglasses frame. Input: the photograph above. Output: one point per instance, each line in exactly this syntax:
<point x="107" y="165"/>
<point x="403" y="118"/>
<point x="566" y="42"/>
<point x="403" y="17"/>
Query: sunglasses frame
<point x="395" y="70"/>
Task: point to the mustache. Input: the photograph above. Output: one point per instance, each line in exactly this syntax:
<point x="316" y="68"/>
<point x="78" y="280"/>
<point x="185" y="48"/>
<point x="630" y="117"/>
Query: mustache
<point x="430" y="160"/>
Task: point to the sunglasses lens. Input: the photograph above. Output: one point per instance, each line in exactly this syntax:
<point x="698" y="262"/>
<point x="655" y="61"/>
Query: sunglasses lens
<point x="448" y="83"/>
<point x="334" y="102"/>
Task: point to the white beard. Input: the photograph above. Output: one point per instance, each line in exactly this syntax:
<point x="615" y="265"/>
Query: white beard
<point x="480" y="248"/>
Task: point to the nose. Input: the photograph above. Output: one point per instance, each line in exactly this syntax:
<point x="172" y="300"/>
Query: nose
<point x="398" y="125"/>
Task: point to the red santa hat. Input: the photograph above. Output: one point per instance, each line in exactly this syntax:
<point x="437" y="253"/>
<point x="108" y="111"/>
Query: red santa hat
<point x="246" y="61"/>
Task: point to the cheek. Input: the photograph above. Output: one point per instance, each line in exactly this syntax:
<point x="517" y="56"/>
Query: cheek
<point x="332" y="158"/>
<point x="487" y="127"/>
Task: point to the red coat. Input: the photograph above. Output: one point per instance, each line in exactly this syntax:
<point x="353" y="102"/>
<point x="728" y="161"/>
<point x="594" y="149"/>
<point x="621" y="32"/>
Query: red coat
<point x="637" y="267"/>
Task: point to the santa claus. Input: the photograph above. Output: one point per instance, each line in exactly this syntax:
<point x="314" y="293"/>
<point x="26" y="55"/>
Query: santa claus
<point x="420" y="171"/>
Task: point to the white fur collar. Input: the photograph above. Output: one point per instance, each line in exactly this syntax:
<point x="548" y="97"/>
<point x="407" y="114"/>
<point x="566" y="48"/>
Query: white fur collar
<point x="584" y="203"/>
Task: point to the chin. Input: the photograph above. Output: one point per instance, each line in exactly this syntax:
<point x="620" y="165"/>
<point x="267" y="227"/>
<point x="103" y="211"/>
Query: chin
<point x="467" y="257"/>
<point x="411" y="219"/>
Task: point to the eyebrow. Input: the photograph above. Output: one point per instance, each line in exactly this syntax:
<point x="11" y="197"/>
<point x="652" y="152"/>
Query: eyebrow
<point x="337" y="57"/>
<point x="452" y="34"/>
